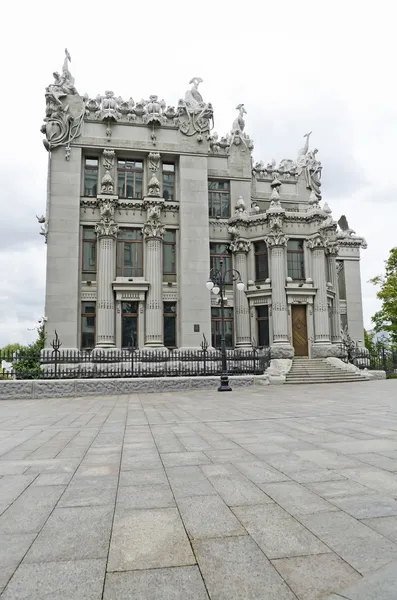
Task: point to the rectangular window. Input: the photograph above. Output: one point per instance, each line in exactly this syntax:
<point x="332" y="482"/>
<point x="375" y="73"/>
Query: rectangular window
<point x="295" y="259"/>
<point x="130" y="178"/>
<point x="168" y="182"/>
<point x="219" y="198"/>
<point x="87" y="325"/>
<point x="341" y="279"/>
<point x="343" y="321"/>
<point x="262" y="319"/>
<point x="129" y="253"/>
<point x="89" y="245"/>
<point x="170" y="324"/>
<point x="261" y="261"/>
<point x="169" y="253"/>
<point x="90" y="177"/>
<point x="129" y="324"/>
<point x="218" y="251"/>
<point x="216" y="327"/>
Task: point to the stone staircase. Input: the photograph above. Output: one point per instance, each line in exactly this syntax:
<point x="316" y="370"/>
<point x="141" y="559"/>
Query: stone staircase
<point x="318" y="370"/>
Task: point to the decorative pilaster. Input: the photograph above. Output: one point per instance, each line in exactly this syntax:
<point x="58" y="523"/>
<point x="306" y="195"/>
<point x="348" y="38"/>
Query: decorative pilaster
<point x="332" y="253"/>
<point x="321" y="320"/>
<point x="153" y="232"/>
<point x="106" y="231"/>
<point x="240" y="249"/>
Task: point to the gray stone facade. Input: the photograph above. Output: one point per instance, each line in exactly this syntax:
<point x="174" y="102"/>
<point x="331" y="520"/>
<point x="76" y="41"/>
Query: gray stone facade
<point x="144" y="198"/>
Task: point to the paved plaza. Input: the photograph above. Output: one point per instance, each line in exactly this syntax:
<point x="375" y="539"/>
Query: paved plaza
<point x="269" y="493"/>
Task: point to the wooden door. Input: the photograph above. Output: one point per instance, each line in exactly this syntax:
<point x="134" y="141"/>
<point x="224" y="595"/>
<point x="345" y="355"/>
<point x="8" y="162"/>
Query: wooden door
<point x="299" y="329"/>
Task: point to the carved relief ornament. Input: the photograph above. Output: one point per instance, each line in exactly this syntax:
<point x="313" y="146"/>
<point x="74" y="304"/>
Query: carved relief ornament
<point x="107" y="227"/>
<point x="276" y="239"/>
<point x="317" y="242"/>
<point x="239" y="245"/>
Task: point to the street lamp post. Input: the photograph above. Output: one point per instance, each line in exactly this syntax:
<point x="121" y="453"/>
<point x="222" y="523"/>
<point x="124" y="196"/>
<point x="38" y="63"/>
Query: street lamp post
<point x="216" y="283"/>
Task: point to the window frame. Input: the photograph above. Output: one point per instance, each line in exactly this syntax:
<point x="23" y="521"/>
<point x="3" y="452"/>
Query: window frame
<point x="218" y="319"/>
<point x="227" y="258"/>
<point x="168" y="244"/>
<point x="223" y="193"/>
<point x="130" y="314"/>
<point x="88" y="168"/>
<point x="165" y="172"/>
<point x="258" y="253"/>
<point x="134" y="171"/>
<point x="294" y="253"/>
<point x="84" y="315"/>
<point x="262" y="319"/>
<point x="94" y="241"/>
<point x="170" y="315"/>
<point x="120" y="270"/>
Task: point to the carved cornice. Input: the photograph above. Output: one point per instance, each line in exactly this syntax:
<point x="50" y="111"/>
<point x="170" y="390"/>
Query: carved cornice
<point x="352" y="242"/>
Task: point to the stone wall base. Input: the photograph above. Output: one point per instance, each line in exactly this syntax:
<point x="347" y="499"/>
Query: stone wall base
<point x="75" y="388"/>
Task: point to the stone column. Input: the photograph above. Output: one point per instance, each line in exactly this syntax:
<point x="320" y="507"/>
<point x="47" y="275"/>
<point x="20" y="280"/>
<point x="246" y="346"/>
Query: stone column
<point x="153" y="232"/>
<point x="322" y="343"/>
<point x="281" y="347"/>
<point x="106" y="231"/>
<point x="240" y="249"/>
<point x="332" y="253"/>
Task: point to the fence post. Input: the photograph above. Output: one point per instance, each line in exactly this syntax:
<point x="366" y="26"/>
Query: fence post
<point x="384" y="359"/>
<point x="56" y="344"/>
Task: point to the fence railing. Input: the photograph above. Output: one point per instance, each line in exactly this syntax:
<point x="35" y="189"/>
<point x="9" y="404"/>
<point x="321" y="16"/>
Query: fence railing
<point x="380" y="358"/>
<point x="63" y="364"/>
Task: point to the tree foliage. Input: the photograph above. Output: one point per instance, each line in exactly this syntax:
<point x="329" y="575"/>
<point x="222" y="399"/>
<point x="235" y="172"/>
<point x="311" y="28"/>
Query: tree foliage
<point x="386" y="318"/>
<point x="26" y="363"/>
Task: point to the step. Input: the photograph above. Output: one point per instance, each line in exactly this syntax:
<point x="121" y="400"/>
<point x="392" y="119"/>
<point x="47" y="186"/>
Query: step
<point x="321" y="381"/>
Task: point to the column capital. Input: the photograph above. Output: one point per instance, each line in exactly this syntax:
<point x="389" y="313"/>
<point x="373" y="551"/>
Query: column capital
<point x="238" y="245"/>
<point x="332" y="249"/>
<point x="153" y="229"/>
<point x="317" y="242"/>
<point x="106" y="228"/>
<point x="276" y="239"/>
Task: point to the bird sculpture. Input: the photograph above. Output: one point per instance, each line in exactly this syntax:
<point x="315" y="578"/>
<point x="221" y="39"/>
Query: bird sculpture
<point x="194" y="91"/>
<point x="344" y="225"/>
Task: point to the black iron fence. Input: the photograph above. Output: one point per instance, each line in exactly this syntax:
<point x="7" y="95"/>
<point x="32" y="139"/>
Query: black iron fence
<point x="379" y="358"/>
<point x="63" y="364"/>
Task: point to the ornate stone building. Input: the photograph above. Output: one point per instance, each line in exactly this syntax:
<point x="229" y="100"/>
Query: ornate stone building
<point x="144" y="198"/>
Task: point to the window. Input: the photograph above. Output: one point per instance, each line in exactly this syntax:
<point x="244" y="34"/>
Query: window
<point x="216" y="328"/>
<point x="169" y="255"/>
<point x="295" y="259"/>
<point x="219" y="198"/>
<point x="170" y="324"/>
<point x="89" y="254"/>
<point x="129" y="253"/>
<point x="261" y="261"/>
<point x="90" y="177"/>
<point x="130" y="178"/>
<point x="341" y="279"/>
<point x="129" y="324"/>
<point x="87" y="325"/>
<point x="168" y="182"/>
<point x="343" y="321"/>
<point x="262" y="319"/>
<point x="218" y="251"/>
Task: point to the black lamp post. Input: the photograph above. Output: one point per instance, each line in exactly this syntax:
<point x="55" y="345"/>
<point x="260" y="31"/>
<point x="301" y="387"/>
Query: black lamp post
<point x="216" y="283"/>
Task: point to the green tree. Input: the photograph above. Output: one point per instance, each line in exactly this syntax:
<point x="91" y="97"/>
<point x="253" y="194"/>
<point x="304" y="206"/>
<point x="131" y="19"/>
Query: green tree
<point x="369" y="341"/>
<point x="386" y="318"/>
<point x="27" y="364"/>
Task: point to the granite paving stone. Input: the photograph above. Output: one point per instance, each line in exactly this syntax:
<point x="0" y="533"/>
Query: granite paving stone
<point x="386" y="526"/>
<point x="177" y="583"/>
<point x="259" y="471"/>
<point x="13" y="548"/>
<point x="12" y="486"/>
<point x="365" y="506"/>
<point x="381" y="585"/>
<point x="234" y="488"/>
<point x="337" y="489"/>
<point x="312" y="577"/>
<point x="208" y="516"/>
<point x="189" y="481"/>
<point x="175" y="459"/>
<point x="295" y="498"/>
<point x="234" y="568"/>
<point x="359" y="545"/>
<point x="142" y="477"/>
<point x="31" y="509"/>
<point x="145" y="496"/>
<point x="71" y="580"/>
<point x="277" y="533"/>
<point x="147" y="539"/>
<point x="90" y="491"/>
<point x="73" y="534"/>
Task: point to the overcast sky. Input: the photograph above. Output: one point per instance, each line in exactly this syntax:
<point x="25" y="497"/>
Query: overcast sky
<point x="297" y="66"/>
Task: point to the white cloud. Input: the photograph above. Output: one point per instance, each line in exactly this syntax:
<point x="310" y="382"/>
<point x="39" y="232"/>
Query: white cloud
<point x="297" y="66"/>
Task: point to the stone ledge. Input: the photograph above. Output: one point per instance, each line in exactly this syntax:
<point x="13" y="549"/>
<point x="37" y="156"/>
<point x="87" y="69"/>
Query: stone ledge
<point x="75" y="388"/>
